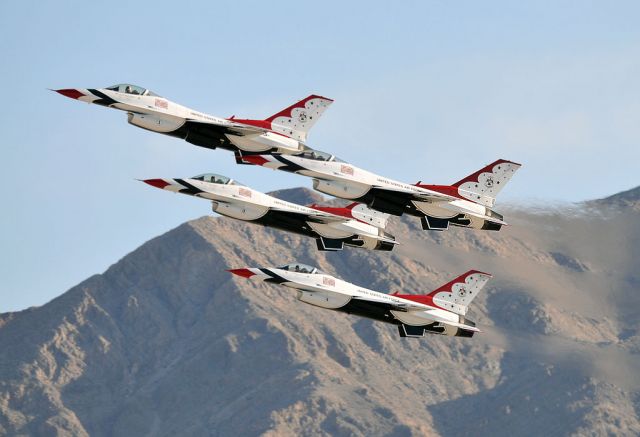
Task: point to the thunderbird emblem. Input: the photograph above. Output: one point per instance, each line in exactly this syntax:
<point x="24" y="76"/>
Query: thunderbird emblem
<point x="489" y="182"/>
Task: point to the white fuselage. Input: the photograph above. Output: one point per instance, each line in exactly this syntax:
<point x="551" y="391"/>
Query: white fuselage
<point x="161" y="115"/>
<point x="332" y="293"/>
<point x="155" y="107"/>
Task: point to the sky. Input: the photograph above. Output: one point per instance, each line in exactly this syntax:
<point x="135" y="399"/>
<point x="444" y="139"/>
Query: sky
<point x="425" y="90"/>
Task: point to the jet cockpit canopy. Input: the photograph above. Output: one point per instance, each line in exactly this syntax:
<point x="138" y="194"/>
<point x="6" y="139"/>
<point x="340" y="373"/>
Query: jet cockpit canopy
<point x="300" y="268"/>
<point x="317" y="155"/>
<point x="215" y="179"/>
<point x="127" y="88"/>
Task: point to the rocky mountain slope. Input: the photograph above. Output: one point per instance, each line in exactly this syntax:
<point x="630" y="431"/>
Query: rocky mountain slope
<point x="166" y="342"/>
<point x="625" y="199"/>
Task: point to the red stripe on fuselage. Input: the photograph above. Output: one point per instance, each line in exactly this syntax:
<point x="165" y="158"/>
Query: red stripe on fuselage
<point x="419" y="298"/>
<point x="444" y="189"/>
<point x="257" y="123"/>
<point x="342" y="212"/>
<point x="263" y="124"/>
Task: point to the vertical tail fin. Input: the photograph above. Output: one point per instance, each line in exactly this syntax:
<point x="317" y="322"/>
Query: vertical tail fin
<point x="457" y="295"/>
<point x="296" y="120"/>
<point x="484" y="185"/>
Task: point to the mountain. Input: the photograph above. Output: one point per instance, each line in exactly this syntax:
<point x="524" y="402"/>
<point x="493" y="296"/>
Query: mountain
<point x="625" y="199"/>
<point x="166" y="342"/>
<point x="301" y="196"/>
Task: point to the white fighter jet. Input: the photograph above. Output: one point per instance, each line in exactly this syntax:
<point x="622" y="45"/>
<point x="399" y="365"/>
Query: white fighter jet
<point x="283" y="132"/>
<point x="333" y="227"/>
<point x="466" y="203"/>
<point x="440" y="312"/>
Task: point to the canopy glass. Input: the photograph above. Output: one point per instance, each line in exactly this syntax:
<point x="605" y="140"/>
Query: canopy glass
<point x="128" y="88"/>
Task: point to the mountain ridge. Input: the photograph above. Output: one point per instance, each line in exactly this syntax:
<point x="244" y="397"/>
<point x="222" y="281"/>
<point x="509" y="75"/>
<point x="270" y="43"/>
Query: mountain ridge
<point x="629" y="198"/>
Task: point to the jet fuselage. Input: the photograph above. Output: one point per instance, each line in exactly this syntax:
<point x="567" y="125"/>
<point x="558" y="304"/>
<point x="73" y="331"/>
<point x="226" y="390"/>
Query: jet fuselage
<point x="432" y="202"/>
<point x="326" y="291"/>
<point x="355" y="225"/>
<point x="284" y="132"/>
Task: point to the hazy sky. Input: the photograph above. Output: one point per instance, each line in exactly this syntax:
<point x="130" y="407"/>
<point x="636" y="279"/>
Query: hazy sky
<point x="428" y="90"/>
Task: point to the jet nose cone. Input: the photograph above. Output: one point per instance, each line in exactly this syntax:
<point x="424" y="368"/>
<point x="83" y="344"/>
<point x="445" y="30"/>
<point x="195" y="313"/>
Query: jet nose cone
<point x="253" y="159"/>
<point x="245" y="273"/>
<point x="158" y="183"/>
<point x="72" y="93"/>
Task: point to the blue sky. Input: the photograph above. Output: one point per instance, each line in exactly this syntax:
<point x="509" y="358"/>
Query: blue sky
<point x="428" y="90"/>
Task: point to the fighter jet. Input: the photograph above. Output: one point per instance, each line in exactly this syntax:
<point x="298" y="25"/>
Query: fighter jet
<point x="333" y="227"/>
<point x="440" y="312"/>
<point x="283" y="132"/>
<point x="466" y="203"/>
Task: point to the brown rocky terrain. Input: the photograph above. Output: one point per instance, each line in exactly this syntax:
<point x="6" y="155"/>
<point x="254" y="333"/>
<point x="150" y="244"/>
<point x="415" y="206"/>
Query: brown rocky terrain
<point x="166" y="342"/>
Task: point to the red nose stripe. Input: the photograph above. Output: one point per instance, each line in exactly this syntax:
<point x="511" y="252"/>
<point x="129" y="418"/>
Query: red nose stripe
<point x="245" y="273"/>
<point x="158" y="183"/>
<point x="71" y="93"/>
<point x="254" y="159"/>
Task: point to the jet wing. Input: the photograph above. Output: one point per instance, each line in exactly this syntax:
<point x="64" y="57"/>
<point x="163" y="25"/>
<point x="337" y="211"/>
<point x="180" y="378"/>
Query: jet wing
<point x="232" y="128"/>
<point x="244" y="130"/>
<point x="316" y="217"/>
<point x="488" y="218"/>
<point x="408" y="307"/>
<point x="395" y="200"/>
<point x="404" y="307"/>
<point x="432" y="197"/>
<point x="457" y="325"/>
<point x="403" y="197"/>
<point x="319" y="218"/>
<point x="412" y="195"/>
<point x="278" y="217"/>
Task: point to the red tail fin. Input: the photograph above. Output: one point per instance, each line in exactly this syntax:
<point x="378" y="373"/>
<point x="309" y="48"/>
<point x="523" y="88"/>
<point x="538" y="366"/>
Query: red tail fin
<point x="296" y="120"/>
<point x="491" y="168"/>
<point x="312" y="100"/>
<point x="462" y="290"/>
<point x="484" y="185"/>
